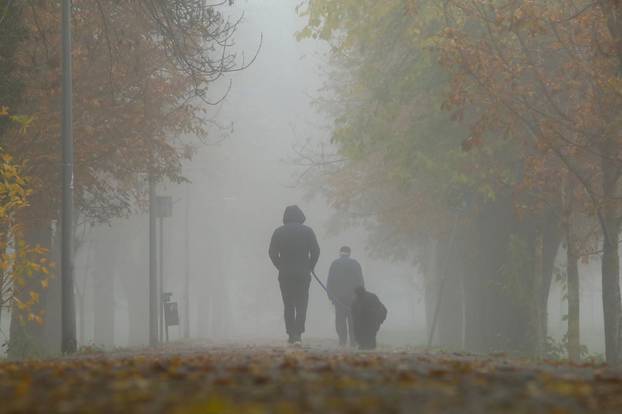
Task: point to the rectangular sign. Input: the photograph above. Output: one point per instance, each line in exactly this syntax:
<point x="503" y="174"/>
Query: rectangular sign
<point x="171" y="315"/>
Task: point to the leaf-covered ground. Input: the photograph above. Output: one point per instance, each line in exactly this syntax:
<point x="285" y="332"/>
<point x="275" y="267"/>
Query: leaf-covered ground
<point x="282" y="380"/>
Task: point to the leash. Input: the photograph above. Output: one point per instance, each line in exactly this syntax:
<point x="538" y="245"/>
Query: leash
<point x="335" y="300"/>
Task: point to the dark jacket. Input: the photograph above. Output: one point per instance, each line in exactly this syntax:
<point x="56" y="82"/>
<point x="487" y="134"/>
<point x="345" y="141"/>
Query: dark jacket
<point x="344" y="276"/>
<point x="294" y="249"/>
<point x="368" y="313"/>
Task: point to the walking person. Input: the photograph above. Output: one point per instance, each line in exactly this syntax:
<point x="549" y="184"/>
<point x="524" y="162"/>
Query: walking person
<point x="344" y="276"/>
<point x="294" y="251"/>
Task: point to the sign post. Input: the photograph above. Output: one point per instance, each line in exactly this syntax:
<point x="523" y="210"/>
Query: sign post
<point x="163" y="209"/>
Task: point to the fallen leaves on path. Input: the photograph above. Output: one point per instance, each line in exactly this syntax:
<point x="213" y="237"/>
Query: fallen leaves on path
<point x="258" y="380"/>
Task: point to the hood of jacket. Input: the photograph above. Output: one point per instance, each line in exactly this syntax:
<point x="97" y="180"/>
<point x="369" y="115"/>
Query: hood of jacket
<point x="293" y="214"/>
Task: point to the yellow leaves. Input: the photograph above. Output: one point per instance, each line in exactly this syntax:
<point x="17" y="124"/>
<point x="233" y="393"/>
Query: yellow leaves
<point x="219" y="405"/>
<point x="12" y="187"/>
<point x="7" y="158"/>
<point x="32" y="317"/>
<point x="19" y="262"/>
<point x="23" y="387"/>
<point x="23" y="121"/>
<point x="615" y="83"/>
<point x="319" y="382"/>
<point x="570" y="388"/>
<point x="550" y="385"/>
<point x="20" y="305"/>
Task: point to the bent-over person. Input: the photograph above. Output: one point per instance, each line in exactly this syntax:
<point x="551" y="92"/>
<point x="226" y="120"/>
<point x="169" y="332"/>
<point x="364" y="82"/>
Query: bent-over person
<point x="368" y="313"/>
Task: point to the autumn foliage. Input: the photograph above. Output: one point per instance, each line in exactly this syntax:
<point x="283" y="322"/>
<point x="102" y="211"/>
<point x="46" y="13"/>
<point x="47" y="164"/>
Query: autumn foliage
<point x="20" y="263"/>
<point x="142" y="78"/>
<point x="262" y="380"/>
<point x="511" y="107"/>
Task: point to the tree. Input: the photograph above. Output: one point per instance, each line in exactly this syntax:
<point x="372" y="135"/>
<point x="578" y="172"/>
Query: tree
<point x="141" y="75"/>
<point x="416" y="154"/>
<point x="20" y="263"/>
<point x="546" y="72"/>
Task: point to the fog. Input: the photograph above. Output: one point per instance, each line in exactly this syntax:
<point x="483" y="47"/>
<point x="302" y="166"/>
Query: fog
<point x="241" y="178"/>
<point x="240" y="182"/>
<point x="243" y="175"/>
<point x="466" y="222"/>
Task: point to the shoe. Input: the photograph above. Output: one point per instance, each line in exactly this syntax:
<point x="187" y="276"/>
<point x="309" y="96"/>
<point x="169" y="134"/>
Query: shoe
<point x="291" y="339"/>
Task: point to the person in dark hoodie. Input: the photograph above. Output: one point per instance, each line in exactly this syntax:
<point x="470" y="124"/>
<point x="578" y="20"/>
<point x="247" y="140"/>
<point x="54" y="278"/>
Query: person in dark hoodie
<point x="368" y="313"/>
<point x="344" y="276"/>
<point x="294" y="251"/>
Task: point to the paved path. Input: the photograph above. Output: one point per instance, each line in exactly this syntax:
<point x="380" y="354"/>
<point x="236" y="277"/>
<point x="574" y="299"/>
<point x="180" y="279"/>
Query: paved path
<point x="239" y="379"/>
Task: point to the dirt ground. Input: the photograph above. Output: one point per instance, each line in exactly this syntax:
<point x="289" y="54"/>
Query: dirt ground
<point x="267" y="378"/>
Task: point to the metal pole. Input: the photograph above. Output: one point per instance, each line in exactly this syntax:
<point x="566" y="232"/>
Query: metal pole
<point x="161" y="292"/>
<point x="68" y="312"/>
<point x="165" y="329"/>
<point x="187" y="268"/>
<point x="153" y="275"/>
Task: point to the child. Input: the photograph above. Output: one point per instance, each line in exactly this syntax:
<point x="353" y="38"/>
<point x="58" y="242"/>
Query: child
<point x="368" y="313"/>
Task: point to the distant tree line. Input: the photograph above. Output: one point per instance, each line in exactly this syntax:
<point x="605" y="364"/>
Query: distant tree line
<point x="481" y="137"/>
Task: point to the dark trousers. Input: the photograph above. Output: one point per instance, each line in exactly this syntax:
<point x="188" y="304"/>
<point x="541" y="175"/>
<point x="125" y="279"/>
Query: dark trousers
<point x="295" y="293"/>
<point x="366" y="336"/>
<point x="343" y="325"/>
<point x="368" y="341"/>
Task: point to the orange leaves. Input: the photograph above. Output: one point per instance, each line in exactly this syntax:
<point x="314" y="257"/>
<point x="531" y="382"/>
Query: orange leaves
<point x="523" y="67"/>
<point x="224" y="380"/>
<point x="471" y="142"/>
<point x="127" y="91"/>
<point x="32" y="317"/>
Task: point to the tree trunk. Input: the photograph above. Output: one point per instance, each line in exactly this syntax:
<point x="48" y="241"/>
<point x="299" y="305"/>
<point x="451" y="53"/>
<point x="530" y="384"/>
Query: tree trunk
<point x="497" y="316"/>
<point x="105" y="267"/>
<point x="429" y="262"/>
<point x="134" y="280"/>
<point x="447" y="294"/>
<point x="4" y="236"/>
<point x="552" y="239"/>
<point x="572" y="273"/>
<point x="538" y="321"/>
<point x="611" y="297"/>
<point x="52" y="337"/>
<point x="610" y="222"/>
<point x="483" y="247"/>
<point x="449" y="325"/>
<point x="610" y="260"/>
<point x="103" y="307"/>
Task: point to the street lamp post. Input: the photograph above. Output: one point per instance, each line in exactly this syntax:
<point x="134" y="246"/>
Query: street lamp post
<point x="187" y="265"/>
<point x="68" y="314"/>
<point x="153" y="266"/>
<point x="164" y="209"/>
